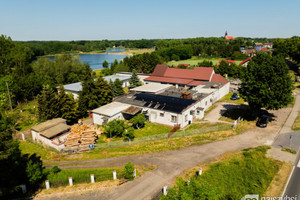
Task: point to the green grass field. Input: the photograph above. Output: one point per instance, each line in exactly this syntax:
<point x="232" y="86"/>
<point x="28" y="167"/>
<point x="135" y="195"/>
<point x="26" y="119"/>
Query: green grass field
<point x="195" y="61"/>
<point x="81" y="175"/>
<point x="249" y="172"/>
<point x="227" y="99"/>
<point x="152" y="129"/>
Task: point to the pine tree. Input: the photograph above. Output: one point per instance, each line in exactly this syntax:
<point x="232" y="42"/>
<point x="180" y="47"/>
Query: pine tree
<point x="67" y="106"/>
<point x="103" y="92"/>
<point x="47" y="104"/>
<point x="112" y="86"/>
<point x="118" y="87"/>
<point x="134" y="80"/>
<point x="94" y="94"/>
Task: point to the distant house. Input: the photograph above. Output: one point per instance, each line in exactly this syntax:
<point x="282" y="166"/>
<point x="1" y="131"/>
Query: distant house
<point x="268" y="45"/>
<point x="244" y="63"/>
<point x="141" y="76"/>
<point x="52" y="133"/>
<point x="75" y="88"/>
<point x="258" y="46"/>
<point x="181" y="77"/>
<point x="228" y="61"/>
<point x="227" y="37"/>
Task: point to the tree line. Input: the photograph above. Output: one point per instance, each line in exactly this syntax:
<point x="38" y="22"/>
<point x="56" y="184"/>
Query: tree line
<point x="289" y="47"/>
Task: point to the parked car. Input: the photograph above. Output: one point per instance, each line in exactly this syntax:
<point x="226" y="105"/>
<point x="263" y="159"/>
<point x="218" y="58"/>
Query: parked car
<point x="262" y="121"/>
<point x="235" y="96"/>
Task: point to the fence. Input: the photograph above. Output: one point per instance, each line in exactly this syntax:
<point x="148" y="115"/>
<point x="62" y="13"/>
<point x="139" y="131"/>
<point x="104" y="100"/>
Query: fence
<point x="150" y="138"/>
<point x="79" y="178"/>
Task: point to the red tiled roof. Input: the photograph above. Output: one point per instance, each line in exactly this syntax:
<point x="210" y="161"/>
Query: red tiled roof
<point x="184" y="64"/>
<point x="229" y="37"/>
<point x="169" y="80"/>
<point x="217" y="78"/>
<point x="228" y="61"/>
<point x="195" y="83"/>
<point x="248" y="59"/>
<point x="160" y="70"/>
<point x="198" y="73"/>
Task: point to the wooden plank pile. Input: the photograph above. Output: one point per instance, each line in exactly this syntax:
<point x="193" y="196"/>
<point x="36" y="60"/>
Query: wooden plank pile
<point x="80" y="138"/>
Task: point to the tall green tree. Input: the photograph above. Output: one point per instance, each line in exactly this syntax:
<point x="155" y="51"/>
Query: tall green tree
<point x="113" y="88"/>
<point x="105" y="64"/>
<point x="134" y="80"/>
<point x="266" y="83"/>
<point x="94" y="93"/>
<point x="67" y="106"/>
<point x="47" y="104"/>
<point x="118" y="85"/>
<point x="16" y="169"/>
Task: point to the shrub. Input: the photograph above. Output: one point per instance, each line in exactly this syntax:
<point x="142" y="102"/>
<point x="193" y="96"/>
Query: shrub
<point x="138" y="121"/>
<point x="55" y="170"/>
<point x="114" y="128"/>
<point x="129" y="134"/>
<point x="128" y="171"/>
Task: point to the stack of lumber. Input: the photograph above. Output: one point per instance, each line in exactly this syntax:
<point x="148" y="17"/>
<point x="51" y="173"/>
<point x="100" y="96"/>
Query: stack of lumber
<point x="80" y="138"/>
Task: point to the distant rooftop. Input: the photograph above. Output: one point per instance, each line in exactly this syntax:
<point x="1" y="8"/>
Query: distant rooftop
<point x="151" y="88"/>
<point x="77" y="87"/>
<point x="111" y="109"/>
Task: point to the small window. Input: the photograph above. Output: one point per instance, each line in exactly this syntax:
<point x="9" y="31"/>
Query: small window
<point x="173" y="118"/>
<point x="162" y="114"/>
<point x="206" y="103"/>
<point x="186" y="117"/>
<point x="198" y="112"/>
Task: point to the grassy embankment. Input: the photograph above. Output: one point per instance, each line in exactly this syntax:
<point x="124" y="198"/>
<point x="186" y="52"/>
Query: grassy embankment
<point x="195" y="61"/>
<point x="296" y="124"/>
<point x="233" y="176"/>
<point x="194" y="135"/>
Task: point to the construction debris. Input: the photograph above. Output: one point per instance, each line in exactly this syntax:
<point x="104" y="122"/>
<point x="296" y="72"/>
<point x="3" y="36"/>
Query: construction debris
<point x="80" y="138"/>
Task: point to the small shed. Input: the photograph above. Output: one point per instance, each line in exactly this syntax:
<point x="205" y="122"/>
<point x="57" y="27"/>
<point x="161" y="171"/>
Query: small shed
<point x="52" y="133"/>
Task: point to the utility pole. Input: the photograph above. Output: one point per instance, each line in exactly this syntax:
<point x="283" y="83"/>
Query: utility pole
<point x="9" y="96"/>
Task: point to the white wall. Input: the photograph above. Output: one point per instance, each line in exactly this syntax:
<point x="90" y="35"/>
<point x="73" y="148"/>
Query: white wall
<point x="36" y="137"/>
<point x="97" y="118"/>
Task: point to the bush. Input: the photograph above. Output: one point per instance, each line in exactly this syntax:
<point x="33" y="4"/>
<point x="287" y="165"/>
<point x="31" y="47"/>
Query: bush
<point x="128" y="171"/>
<point x="55" y="170"/>
<point x="129" y="134"/>
<point x="138" y="121"/>
<point x="114" y="128"/>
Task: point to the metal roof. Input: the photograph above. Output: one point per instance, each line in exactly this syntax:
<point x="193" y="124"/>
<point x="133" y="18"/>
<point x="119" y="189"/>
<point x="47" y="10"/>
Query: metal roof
<point x="111" y="109"/>
<point x="77" y="87"/>
<point x="55" y="130"/>
<point x="151" y="87"/>
<point x="48" y="124"/>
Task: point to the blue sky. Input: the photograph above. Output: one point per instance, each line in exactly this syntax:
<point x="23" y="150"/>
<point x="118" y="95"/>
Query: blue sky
<point x="151" y="19"/>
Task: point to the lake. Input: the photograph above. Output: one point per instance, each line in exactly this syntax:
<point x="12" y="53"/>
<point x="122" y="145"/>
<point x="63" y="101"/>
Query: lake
<point x="95" y="60"/>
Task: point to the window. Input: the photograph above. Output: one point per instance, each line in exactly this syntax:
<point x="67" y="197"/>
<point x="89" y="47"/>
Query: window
<point x="173" y="118"/>
<point x="198" y="112"/>
<point x="206" y="103"/>
<point x="186" y="117"/>
<point x="162" y="114"/>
